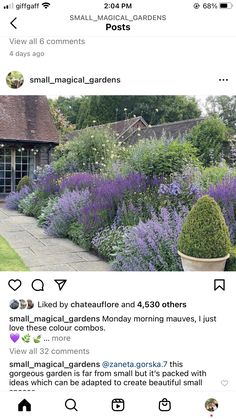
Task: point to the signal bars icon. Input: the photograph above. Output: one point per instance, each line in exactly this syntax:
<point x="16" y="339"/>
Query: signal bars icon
<point x="9" y="6"/>
<point x="46" y="4"/>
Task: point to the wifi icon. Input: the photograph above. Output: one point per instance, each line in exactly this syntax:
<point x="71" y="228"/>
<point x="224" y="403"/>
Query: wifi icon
<point x="45" y="4"/>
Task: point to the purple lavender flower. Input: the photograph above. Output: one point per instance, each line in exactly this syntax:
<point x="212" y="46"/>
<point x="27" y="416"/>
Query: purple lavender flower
<point x="66" y="211"/>
<point x="152" y="245"/>
<point x="78" y="181"/>
<point x="13" y="199"/>
<point x="224" y="194"/>
<point x="175" y="188"/>
<point x="163" y="189"/>
<point x="47" y="181"/>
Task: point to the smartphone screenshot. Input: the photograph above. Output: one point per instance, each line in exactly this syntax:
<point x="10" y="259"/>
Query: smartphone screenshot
<point x="117" y="209"/>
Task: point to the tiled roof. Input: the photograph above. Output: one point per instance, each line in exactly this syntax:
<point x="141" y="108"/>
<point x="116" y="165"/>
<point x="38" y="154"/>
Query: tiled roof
<point x="123" y="128"/>
<point x="170" y="130"/>
<point x="26" y="118"/>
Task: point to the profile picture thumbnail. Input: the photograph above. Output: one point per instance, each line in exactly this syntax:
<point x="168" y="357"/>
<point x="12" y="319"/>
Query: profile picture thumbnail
<point x="22" y="304"/>
<point x="211" y="405"/>
<point x="15" y="79"/>
<point x="14" y="304"/>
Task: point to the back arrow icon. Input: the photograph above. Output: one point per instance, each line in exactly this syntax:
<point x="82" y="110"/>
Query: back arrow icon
<point x="12" y="23"/>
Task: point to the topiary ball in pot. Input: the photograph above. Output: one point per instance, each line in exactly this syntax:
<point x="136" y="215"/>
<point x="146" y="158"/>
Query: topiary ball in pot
<point x="204" y="241"/>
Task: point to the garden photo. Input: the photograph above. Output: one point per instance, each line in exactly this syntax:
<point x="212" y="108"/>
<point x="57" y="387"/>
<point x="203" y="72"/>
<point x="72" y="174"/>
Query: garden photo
<point x="118" y="183"/>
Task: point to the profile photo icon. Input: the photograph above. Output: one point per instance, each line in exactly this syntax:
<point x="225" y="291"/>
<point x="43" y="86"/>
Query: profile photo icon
<point x="15" y="79"/>
<point x="14" y="304"/>
<point x="211" y="405"/>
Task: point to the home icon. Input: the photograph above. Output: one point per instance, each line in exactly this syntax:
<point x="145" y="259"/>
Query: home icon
<point x="24" y="405"/>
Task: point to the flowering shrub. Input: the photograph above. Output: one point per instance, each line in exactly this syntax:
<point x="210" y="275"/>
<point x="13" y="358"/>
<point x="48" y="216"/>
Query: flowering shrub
<point x="224" y="194"/>
<point x="216" y="174"/>
<point x="78" y="181"/>
<point x="47" y="181"/>
<point x="33" y="203"/>
<point x="91" y="151"/>
<point x="48" y="211"/>
<point x="178" y="193"/>
<point x="209" y="137"/>
<point x="107" y="241"/>
<point x="101" y="209"/>
<point x="156" y="157"/>
<point x="134" y="208"/>
<point x="152" y="246"/>
<point x="66" y="211"/>
<point x="14" y="198"/>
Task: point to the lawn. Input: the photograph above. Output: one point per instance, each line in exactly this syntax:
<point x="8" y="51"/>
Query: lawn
<point x="9" y="259"/>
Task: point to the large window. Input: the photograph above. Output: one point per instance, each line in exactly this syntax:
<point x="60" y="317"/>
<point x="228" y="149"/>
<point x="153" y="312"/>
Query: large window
<point x="14" y="165"/>
<point x="23" y="164"/>
<point x="5" y="170"/>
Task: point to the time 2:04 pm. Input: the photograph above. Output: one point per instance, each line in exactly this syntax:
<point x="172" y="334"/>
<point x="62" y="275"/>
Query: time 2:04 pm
<point x="118" y="6"/>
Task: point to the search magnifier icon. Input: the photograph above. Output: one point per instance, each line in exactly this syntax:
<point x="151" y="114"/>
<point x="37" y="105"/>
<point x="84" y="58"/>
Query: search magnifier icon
<point x="71" y="404"/>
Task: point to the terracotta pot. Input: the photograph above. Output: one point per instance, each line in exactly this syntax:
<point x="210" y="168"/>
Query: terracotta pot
<point x="190" y="263"/>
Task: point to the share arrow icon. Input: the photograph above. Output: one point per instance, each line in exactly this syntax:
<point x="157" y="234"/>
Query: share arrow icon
<point x="61" y="283"/>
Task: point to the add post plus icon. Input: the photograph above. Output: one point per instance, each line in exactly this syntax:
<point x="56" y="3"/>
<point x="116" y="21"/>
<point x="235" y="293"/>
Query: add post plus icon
<point x="118" y="405"/>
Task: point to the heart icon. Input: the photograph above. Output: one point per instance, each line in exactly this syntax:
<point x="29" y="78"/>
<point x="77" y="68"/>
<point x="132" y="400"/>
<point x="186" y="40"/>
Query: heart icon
<point x="14" y="284"/>
<point x="224" y="383"/>
<point x="14" y="337"/>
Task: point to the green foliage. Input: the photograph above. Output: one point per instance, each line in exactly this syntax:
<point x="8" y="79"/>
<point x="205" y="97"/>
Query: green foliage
<point x="69" y="107"/>
<point x="47" y="211"/>
<point x="15" y="79"/>
<point x="153" y="157"/>
<point x="92" y="151"/>
<point x="108" y="241"/>
<point x="33" y="204"/>
<point x="215" y="174"/>
<point x="224" y="107"/>
<point x="95" y="110"/>
<point x="25" y="181"/>
<point x="209" y="137"/>
<point x="231" y="262"/>
<point x="77" y="235"/>
<point x="204" y="233"/>
<point x="62" y="124"/>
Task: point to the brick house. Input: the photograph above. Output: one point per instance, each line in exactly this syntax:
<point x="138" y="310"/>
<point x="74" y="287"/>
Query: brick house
<point x="27" y="136"/>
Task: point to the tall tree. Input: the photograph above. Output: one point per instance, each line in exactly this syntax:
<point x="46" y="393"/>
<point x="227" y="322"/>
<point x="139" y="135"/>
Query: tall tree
<point x="224" y="107"/>
<point x="94" y="110"/>
<point x="154" y="109"/>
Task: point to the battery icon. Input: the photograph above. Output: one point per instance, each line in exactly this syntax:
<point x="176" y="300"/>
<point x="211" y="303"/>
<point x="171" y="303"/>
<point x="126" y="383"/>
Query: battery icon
<point x="226" y="5"/>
